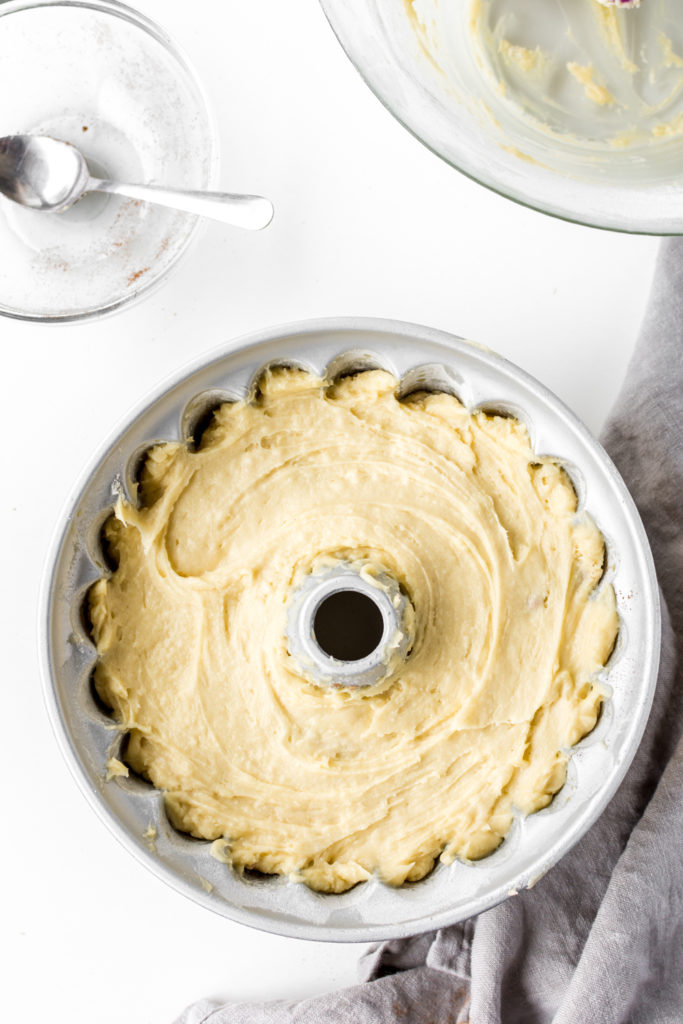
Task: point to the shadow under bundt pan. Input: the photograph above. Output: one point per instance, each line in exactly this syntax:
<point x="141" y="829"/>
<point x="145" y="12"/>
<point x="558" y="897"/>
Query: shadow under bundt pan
<point x="421" y="359"/>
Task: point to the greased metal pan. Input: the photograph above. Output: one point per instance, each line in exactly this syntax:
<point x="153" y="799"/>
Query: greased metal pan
<point x="133" y="810"/>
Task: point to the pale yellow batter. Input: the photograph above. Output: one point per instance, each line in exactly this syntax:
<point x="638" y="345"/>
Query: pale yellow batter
<point x="511" y="627"/>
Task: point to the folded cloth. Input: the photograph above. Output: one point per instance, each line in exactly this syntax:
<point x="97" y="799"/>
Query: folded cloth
<point x="600" y="938"/>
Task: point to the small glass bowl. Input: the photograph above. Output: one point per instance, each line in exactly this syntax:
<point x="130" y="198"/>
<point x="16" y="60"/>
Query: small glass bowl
<point x="447" y="71"/>
<point x="105" y="78"/>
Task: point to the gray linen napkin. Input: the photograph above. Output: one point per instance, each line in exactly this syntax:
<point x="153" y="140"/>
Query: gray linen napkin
<point x="600" y="938"/>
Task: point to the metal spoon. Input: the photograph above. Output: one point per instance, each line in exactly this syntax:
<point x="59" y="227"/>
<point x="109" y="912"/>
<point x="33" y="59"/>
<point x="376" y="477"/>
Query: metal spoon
<point x="47" y="174"/>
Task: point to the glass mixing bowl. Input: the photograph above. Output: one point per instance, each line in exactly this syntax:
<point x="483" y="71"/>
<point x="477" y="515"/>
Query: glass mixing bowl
<point x="106" y="79"/>
<point x="568" y="107"/>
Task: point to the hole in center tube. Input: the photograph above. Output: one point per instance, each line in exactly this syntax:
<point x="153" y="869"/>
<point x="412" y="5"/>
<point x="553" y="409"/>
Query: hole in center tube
<point x="348" y="625"/>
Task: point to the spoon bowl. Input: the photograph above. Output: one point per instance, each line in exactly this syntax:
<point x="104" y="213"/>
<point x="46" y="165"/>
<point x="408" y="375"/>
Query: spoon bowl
<point x="42" y="173"/>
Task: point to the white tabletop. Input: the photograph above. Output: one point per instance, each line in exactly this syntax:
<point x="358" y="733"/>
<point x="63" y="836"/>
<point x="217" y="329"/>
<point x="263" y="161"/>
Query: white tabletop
<point x="367" y="222"/>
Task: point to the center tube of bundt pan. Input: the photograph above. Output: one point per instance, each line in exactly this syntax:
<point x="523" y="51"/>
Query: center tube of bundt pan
<point x="349" y="628"/>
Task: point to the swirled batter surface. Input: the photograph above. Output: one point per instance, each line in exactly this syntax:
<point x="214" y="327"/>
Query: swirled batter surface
<point x="511" y="628"/>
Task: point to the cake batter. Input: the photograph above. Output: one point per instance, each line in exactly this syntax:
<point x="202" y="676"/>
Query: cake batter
<point x="512" y="626"/>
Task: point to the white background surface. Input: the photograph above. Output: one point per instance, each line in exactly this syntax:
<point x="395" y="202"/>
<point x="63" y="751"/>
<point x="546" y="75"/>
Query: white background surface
<point x="368" y="222"/>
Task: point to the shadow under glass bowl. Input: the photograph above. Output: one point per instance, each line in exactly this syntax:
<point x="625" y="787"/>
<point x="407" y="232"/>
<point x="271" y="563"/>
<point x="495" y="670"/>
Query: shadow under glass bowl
<point x="570" y="108"/>
<point x="422" y="358"/>
<point x="105" y="78"/>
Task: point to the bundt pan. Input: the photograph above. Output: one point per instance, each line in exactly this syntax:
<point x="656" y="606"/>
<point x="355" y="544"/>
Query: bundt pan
<point x="420" y="358"/>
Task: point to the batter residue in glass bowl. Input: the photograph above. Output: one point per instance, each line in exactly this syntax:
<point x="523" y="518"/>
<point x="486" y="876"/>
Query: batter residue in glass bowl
<point x="574" y="68"/>
<point x="511" y="628"/>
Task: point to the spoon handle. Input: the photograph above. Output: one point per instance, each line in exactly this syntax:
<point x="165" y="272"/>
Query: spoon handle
<point x="251" y="212"/>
